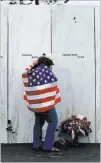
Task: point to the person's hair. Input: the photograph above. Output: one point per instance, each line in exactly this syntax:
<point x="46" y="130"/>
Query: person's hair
<point x="44" y="60"/>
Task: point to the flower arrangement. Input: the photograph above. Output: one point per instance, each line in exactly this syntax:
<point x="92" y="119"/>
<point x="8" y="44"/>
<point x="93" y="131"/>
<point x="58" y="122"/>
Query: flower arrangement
<point x="75" y="126"/>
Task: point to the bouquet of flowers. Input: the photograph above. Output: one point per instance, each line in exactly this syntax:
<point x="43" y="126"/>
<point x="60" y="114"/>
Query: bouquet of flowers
<point x="75" y="126"/>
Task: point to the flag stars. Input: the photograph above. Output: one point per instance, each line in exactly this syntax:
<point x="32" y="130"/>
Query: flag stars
<point x="30" y="83"/>
<point x="37" y="76"/>
<point x="33" y="74"/>
<point x="36" y="71"/>
<point x="41" y="79"/>
<point x="43" y="70"/>
<point x="48" y="77"/>
<point x="52" y="79"/>
<point x="50" y="73"/>
<point x="40" y="73"/>
<point x="45" y="81"/>
<point x="38" y="83"/>
<point x="30" y="77"/>
<point x="34" y="80"/>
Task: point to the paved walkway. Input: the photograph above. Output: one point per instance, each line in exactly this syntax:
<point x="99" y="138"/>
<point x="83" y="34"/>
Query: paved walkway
<point x="24" y="153"/>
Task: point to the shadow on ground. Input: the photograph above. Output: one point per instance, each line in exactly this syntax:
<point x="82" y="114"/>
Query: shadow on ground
<point x="24" y="153"/>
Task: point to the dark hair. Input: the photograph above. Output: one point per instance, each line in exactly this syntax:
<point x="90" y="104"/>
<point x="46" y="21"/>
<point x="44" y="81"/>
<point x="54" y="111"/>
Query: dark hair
<point x="44" y="60"/>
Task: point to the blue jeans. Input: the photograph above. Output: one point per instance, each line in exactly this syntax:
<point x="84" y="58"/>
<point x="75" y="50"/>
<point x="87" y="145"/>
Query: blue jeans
<point x="51" y="118"/>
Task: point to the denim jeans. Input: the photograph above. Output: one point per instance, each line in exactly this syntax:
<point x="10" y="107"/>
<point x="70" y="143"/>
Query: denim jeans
<point x="51" y="118"/>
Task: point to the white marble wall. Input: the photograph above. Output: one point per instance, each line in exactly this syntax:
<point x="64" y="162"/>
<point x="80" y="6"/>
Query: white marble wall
<point x="77" y="84"/>
<point x="30" y="33"/>
<point x="98" y="64"/>
<point x="3" y="75"/>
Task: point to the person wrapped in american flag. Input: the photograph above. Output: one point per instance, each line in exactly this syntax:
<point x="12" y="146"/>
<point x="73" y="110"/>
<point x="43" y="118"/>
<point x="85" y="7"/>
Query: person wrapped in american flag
<point x="42" y="94"/>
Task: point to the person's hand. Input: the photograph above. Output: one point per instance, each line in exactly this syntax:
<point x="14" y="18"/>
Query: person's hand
<point x="35" y="62"/>
<point x="31" y="66"/>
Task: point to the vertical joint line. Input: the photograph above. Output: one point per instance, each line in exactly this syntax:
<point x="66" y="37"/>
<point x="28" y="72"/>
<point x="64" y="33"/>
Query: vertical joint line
<point x="51" y="30"/>
<point x="95" y="69"/>
<point x="7" y="73"/>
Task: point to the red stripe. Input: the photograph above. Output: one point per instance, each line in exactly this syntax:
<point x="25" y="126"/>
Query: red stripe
<point x="57" y="90"/>
<point x="41" y="109"/>
<point x="39" y="92"/>
<point x="25" y="98"/>
<point x="24" y="75"/>
<point x="25" y="84"/>
<point x="43" y="100"/>
<point x="57" y="100"/>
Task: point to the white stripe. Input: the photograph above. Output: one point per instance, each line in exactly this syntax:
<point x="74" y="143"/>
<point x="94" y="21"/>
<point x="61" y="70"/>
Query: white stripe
<point x="41" y="87"/>
<point x="34" y="97"/>
<point x="58" y="95"/>
<point x="24" y="93"/>
<point x="25" y="72"/>
<point x="25" y="80"/>
<point x="45" y="104"/>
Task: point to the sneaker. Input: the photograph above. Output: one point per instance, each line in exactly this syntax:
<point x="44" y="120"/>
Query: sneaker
<point x="38" y="149"/>
<point x="52" y="150"/>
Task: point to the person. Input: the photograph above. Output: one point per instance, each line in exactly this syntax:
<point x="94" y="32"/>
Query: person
<point x="48" y="115"/>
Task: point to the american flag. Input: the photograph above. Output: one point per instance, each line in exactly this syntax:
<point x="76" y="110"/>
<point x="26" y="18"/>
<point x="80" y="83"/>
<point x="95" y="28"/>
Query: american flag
<point x="41" y="89"/>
